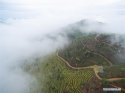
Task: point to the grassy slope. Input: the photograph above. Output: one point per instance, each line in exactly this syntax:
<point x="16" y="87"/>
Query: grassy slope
<point x="58" y="77"/>
<point x="54" y="76"/>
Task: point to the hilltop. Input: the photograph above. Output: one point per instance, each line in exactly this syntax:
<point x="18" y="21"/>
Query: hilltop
<point x="88" y="63"/>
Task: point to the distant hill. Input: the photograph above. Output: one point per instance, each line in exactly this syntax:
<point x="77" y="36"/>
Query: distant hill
<point x="67" y="71"/>
<point x="86" y="49"/>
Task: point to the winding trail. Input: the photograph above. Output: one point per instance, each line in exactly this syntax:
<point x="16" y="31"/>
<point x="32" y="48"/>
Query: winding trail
<point x="96" y="69"/>
<point x="102" y="57"/>
<point x="84" y="45"/>
<point x="105" y="43"/>
<point x="67" y="63"/>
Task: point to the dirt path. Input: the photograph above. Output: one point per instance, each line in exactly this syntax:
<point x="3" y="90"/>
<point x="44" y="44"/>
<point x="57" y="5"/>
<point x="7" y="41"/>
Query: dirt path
<point x="105" y="43"/>
<point x="102" y="57"/>
<point x="67" y="63"/>
<point x="115" y="79"/>
<point x="96" y="69"/>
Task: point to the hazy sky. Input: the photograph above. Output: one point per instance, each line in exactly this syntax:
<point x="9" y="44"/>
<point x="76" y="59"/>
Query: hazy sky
<point x="62" y="12"/>
<point x="25" y="23"/>
<point x="61" y="9"/>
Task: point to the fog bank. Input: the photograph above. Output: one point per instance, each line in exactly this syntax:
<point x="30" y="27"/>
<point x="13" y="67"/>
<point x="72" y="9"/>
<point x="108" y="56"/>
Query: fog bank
<point x="31" y="28"/>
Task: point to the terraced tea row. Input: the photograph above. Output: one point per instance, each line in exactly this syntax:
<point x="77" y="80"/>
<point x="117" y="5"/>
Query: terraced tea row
<point x="60" y="78"/>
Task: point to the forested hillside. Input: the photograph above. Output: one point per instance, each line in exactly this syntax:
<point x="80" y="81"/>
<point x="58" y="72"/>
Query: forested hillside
<point x="92" y="49"/>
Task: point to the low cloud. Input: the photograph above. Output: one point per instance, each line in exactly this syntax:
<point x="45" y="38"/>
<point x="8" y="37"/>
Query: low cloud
<point x="32" y="28"/>
<point x="20" y="40"/>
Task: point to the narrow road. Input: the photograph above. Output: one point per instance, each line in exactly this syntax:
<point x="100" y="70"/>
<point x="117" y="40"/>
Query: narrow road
<point x="105" y="43"/>
<point x="96" y="69"/>
<point x="102" y="57"/>
<point x="115" y="79"/>
<point x="67" y="63"/>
